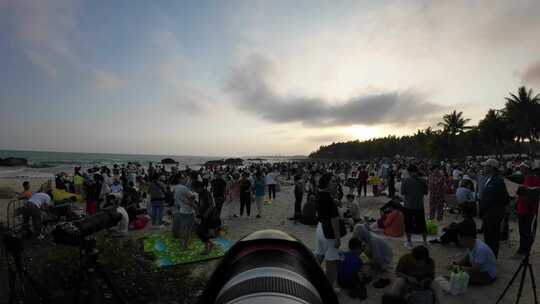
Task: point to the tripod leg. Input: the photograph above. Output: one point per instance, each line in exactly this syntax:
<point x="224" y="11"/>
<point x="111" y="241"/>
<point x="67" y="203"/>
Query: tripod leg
<point x="120" y="299"/>
<point x="509" y="283"/>
<point x="522" y="282"/>
<point x="533" y="284"/>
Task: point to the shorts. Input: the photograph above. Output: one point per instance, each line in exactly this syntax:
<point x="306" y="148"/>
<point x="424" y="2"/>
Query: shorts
<point x="325" y="247"/>
<point x="182" y="223"/>
<point x="415" y="221"/>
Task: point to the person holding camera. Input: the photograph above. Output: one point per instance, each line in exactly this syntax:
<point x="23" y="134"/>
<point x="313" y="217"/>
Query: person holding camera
<point x="527" y="206"/>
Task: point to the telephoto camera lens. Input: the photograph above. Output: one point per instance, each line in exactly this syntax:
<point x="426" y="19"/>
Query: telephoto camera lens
<point x="268" y="266"/>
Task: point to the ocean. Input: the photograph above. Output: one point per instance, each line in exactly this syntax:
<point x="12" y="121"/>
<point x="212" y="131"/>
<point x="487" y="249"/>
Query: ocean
<point x="46" y="164"/>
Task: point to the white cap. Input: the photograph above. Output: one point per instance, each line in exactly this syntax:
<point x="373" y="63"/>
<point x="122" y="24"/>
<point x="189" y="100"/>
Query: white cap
<point x="491" y="163"/>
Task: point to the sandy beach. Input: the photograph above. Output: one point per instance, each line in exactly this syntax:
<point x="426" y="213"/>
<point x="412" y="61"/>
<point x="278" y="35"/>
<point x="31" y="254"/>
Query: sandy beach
<point x="275" y="217"/>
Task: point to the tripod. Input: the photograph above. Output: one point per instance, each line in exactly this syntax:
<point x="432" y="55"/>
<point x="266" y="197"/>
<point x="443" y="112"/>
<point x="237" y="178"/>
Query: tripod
<point x="17" y="273"/>
<point x="524" y="267"/>
<point x="89" y="271"/>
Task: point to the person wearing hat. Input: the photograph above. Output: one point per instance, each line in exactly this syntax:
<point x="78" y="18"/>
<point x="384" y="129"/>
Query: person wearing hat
<point x="493" y="204"/>
<point x="413" y="190"/>
<point x="527" y="205"/>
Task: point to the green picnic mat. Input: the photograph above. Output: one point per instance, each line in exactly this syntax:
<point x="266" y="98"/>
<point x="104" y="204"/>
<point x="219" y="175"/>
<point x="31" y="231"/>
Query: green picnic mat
<point x="167" y="250"/>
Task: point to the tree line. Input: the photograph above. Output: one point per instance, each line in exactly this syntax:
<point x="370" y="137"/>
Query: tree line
<point x="513" y="129"/>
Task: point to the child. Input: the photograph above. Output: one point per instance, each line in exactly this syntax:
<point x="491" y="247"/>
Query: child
<point x="374" y="181"/>
<point x="352" y="208"/>
<point x="350" y="276"/>
<point x="26" y="194"/>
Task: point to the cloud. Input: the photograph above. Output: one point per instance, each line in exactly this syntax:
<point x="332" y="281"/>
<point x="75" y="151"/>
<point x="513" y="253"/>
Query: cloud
<point x="252" y="93"/>
<point x="324" y="138"/>
<point x="107" y="81"/>
<point x="532" y="73"/>
<point x="46" y="32"/>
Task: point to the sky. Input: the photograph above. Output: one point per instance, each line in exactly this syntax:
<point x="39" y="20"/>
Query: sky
<point x="236" y="78"/>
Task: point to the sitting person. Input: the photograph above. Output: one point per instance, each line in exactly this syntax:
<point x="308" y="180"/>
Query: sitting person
<point x="394" y="222"/>
<point x="480" y="262"/>
<point x="376" y="249"/>
<point x="415" y="273"/>
<point x="465" y="193"/>
<point x="353" y="211"/>
<point x="450" y="233"/>
<point x="121" y="229"/>
<point x="350" y="276"/>
<point x="26" y="194"/>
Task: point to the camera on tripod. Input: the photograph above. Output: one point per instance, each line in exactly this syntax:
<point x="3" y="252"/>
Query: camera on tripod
<point x="74" y="233"/>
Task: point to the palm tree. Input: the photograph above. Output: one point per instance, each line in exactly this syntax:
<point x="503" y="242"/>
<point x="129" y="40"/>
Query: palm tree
<point x="453" y="123"/>
<point x="523" y="113"/>
<point x="495" y="130"/>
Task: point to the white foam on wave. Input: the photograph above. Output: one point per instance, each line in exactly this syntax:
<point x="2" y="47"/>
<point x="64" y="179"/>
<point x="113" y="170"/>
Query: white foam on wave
<point x="21" y="172"/>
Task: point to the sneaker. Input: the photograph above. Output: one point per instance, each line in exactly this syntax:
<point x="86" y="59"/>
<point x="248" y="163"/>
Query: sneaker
<point x="40" y="236"/>
<point x="408" y="245"/>
<point x="258" y="216"/>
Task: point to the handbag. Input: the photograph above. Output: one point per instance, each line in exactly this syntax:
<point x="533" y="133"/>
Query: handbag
<point x="458" y="282"/>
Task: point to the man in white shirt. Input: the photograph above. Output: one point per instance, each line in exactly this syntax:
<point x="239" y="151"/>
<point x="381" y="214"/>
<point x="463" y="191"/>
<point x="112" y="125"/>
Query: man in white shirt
<point x="271" y="181"/>
<point x="32" y="209"/>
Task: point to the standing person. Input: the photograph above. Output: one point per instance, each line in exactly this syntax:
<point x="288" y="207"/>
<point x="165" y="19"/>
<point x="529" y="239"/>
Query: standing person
<point x="391" y="183"/>
<point x="362" y="181"/>
<point x="437" y="188"/>
<point x="328" y="238"/>
<point x="78" y="180"/>
<point x="157" y="201"/>
<point x="493" y="204"/>
<point x="527" y="206"/>
<point x="219" y="191"/>
<point x="206" y="211"/>
<point x="184" y="213"/>
<point x="259" y="186"/>
<point x="234" y="194"/>
<point x="413" y="190"/>
<point x="245" y="194"/>
<point x="271" y="181"/>
<point x="298" y="197"/>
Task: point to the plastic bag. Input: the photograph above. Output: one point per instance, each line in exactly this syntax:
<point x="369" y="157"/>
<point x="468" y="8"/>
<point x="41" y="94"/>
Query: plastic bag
<point x="458" y="282"/>
<point x="432" y="228"/>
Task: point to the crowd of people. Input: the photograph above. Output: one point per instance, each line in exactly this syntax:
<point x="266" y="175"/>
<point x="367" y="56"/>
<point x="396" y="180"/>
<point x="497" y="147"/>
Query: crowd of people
<point x="326" y="194"/>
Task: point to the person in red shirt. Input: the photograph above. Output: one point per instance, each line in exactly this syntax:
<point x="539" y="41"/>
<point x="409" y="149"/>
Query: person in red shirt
<point x="526" y="209"/>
